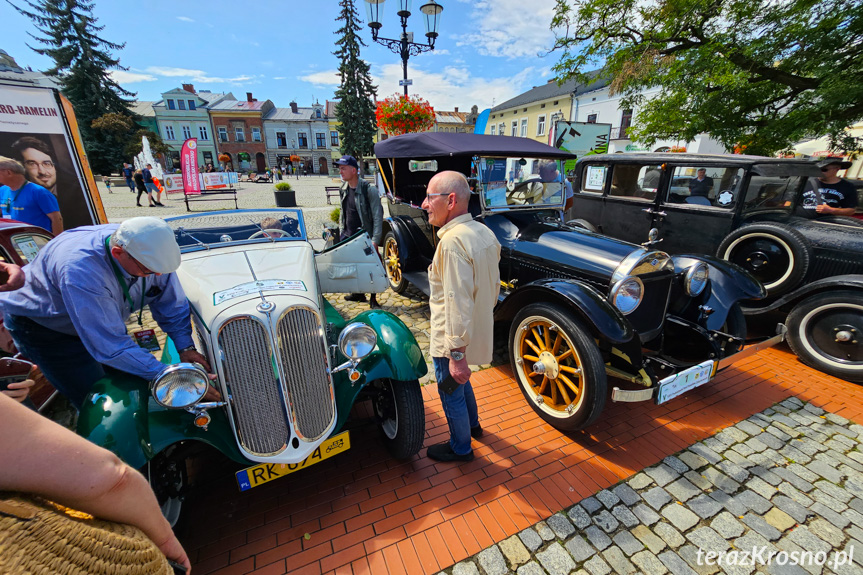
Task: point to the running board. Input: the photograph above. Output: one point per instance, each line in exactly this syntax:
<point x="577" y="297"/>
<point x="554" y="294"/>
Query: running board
<point x="419" y="279"/>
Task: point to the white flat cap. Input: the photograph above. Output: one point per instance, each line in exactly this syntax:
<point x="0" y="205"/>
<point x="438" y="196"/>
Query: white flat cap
<point x="150" y="241"/>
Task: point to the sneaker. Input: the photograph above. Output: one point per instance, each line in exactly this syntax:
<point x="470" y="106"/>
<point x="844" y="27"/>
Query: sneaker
<point x="160" y="204"/>
<point x="355" y="297"/>
<point x="476" y="432"/>
<point x="443" y="452"/>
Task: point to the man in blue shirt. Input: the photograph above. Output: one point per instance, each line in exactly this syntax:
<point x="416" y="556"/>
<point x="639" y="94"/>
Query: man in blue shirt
<point x="25" y="201"/>
<point x="128" y="171"/>
<point x="151" y="186"/>
<point x="70" y="316"/>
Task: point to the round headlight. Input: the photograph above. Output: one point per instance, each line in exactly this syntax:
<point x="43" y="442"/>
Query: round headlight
<point x="696" y="279"/>
<point x="357" y="340"/>
<point x="180" y="385"/>
<point x="626" y="294"/>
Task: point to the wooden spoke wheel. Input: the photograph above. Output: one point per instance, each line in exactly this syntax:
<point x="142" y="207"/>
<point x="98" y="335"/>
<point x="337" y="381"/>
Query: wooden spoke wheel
<point x="558" y="366"/>
<point x="393" y="265"/>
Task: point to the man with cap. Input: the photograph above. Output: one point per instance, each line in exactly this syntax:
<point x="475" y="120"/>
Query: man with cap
<point x="829" y="194"/>
<point x="70" y="316"/>
<point x="361" y="210"/>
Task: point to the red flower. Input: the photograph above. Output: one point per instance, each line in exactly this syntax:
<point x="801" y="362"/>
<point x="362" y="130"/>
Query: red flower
<point x="401" y="114"/>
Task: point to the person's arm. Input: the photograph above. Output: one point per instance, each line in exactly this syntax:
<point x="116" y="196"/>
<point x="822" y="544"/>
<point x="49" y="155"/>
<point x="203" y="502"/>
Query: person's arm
<point x="458" y="287"/>
<point x="53" y="462"/>
<point x="824" y="209"/>
<point x="56" y="223"/>
<point x="171" y="311"/>
<point x="377" y="210"/>
<point x="16" y="277"/>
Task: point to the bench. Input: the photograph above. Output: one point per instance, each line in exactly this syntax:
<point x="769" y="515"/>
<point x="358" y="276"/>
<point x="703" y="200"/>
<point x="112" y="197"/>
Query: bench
<point x="332" y="192"/>
<point x="207" y="196"/>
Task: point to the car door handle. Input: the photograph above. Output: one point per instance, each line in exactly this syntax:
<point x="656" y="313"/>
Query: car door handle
<point x="650" y="211"/>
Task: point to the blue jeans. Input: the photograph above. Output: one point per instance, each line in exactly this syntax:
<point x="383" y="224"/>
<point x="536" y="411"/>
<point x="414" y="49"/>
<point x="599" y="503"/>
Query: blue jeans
<point x="459" y="407"/>
<point x="62" y="358"/>
<point x="131" y="184"/>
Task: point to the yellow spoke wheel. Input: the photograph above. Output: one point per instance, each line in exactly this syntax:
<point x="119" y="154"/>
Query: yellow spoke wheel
<point x="393" y="264"/>
<point x="558" y="366"/>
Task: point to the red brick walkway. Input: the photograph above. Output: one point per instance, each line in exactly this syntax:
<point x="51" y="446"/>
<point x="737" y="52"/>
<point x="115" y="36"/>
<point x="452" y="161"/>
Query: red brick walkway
<point x="363" y="512"/>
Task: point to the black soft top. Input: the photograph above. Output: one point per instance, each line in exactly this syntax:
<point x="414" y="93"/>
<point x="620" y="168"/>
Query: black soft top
<point x="437" y="144"/>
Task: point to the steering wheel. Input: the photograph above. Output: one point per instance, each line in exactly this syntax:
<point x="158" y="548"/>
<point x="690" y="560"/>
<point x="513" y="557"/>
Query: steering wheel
<point x="260" y="233"/>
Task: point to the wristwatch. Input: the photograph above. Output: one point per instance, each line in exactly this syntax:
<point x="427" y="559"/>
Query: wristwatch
<point x="190" y="348"/>
<point x="457" y="355"/>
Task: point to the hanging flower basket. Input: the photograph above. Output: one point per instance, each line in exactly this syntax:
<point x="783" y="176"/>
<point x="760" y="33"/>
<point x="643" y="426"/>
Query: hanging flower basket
<point x="398" y="115"/>
<point x="224" y="158"/>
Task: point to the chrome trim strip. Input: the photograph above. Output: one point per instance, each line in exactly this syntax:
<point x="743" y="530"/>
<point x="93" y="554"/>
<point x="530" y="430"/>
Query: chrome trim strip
<point x="632" y="395"/>
<point x="754" y="348"/>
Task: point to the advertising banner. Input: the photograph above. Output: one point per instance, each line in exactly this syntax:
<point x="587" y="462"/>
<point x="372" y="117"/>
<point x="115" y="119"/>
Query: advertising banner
<point x="35" y="131"/>
<point x="189" y="166"/>
<point x="175" y="183"/>
<point x="581" y="139"/>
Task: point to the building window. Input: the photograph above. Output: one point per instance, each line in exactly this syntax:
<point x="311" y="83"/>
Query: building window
<point x="542" y="106"/>
<point x="281" y="140"/>
<point x="625" y="122"/>
<point x="192" y="105"/>
<point x="256" y="134"/>
<point x="321" y="139"/>
<point x="540" y="126"/>
<point x="302" y="140"/>
<point x="171" y="105"/>
<point x="524" y="128"/>
<point x="555" y="102"/>
<point x="240" y="134"/>
<point x="493" y="129"/>
<point x="169" y="132"/>
<point x="317" y="113"/>
<point x="514" y="128"/>
<point x="501" y="129"/>
<point x="202" y="131"/>
<point x="223" y="134"/>
<point x="181" y="104"/>
<point x="591" y="118"/>
<point x="334" y="138"/>
<point x="187" y="131"/>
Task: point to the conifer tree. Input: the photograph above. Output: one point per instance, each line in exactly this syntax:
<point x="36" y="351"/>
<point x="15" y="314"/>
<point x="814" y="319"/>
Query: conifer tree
<point x="69" y="35"/>
<point x="356" y="107"/>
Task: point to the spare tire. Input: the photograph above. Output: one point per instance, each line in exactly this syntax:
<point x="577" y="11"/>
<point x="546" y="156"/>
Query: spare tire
<point x="777" y="255"/>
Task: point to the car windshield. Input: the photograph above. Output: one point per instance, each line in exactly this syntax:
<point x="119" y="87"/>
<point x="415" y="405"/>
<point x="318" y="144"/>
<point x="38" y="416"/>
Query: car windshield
<point x="520" y="182"/>
<point x="206" y="229"/>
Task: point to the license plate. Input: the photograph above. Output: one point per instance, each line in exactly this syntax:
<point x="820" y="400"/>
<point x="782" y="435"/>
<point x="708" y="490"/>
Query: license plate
<point x="260" y="474"/>
<point x="680" y="383"/>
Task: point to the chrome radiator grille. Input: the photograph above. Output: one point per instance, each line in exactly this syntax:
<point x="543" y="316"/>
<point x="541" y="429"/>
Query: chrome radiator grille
<point x="250" y="375"/>
<point x="302" y="349"/>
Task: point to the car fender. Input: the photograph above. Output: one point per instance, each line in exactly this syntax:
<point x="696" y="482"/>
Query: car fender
<point x="848" y="281"/>
<point x="406" y="232"/>
<point x="603" y="319"/>
<point x="120" y="415"/>
<point x="397" y="354"/>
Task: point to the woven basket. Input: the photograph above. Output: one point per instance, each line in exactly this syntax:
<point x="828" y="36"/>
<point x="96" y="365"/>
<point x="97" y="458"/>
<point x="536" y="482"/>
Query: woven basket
<point x="42" y="538"/>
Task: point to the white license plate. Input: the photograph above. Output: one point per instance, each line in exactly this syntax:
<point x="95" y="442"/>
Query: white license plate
<point x="680" y="383"/>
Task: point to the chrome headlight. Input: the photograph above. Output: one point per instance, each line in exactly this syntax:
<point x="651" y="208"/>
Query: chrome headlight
<point x="696" y="279"/>
<point x="357" y="340"/>
<point x="626" y="294"/>
<point x="180" y="385"/>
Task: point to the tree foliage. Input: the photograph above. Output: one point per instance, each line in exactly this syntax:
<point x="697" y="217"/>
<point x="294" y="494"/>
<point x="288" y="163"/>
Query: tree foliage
<point x="356" y="108"/>
<point x="756" y="73"/>
<point x="400" y="114"/>
<point x="69" y="35"/>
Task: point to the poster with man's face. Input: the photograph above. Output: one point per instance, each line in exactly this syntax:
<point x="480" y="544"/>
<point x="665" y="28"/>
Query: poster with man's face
<point x="32" y="131"/>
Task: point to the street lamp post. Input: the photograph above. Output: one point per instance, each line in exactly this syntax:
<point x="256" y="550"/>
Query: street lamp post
<point x="403" y="46"/>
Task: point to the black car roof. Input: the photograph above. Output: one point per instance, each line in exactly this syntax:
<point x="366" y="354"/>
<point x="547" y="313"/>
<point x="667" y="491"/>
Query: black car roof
<point x="674" y="158"/>
<point x="431" y="144"/>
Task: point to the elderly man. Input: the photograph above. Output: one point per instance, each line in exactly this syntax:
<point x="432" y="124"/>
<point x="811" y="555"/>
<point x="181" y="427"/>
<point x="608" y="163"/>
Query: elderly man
<point x="70" y="316"/>
<point x="464" y="282"/>
<point x="25" y="201"/>
<point x="361" y="210"/>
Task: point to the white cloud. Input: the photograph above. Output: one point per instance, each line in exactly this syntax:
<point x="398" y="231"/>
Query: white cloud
<point x="322" y="79"/>
<point x="185" y="19"/>
<point x="195" y="75"/>
<point x="124" y="77"/>
<point x="439" y="52"/>
<point x="505" y="29"/>
<point x="279" y="78"/>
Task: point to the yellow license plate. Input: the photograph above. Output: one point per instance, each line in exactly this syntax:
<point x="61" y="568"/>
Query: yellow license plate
<point x="260" y="474"/>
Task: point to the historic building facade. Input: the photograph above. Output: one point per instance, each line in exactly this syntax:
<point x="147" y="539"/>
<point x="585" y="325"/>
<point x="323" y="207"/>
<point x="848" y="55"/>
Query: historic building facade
<point x="239" y="127"/>
<point x="181" y="114"/>
<point x="300" y="135"/>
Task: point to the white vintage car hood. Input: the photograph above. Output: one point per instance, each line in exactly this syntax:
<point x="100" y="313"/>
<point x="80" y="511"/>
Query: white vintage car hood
<point x="217" y="279"/>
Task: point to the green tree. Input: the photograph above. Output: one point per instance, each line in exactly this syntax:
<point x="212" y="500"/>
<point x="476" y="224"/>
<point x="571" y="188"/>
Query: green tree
<point x="753" y="73"/>
<point x="356" y="108"/>
<point x="126" y="133"/>
<point x="69" y="35"/>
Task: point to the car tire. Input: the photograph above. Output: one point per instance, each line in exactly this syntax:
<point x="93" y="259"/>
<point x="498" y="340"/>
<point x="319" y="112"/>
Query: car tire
<point x="582" y="223"/>
<point x="167" y="476"/>
<point x="399" y="408"/>
<point x="393" y="265"/>
<point x="775" y="254"/>
<point x="824" y="331"/>
<point x="575" y="396"/>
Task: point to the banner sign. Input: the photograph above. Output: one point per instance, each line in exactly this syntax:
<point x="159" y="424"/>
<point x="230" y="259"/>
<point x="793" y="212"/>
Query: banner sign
<point x="581" y="139"/>
<point x="189" y="166"/>
<point x="34" y="130"/>
<point x="175" y="183"/>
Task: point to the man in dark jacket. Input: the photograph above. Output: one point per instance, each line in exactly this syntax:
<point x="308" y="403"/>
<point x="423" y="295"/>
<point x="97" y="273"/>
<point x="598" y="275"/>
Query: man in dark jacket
<point x="361" y="210"/>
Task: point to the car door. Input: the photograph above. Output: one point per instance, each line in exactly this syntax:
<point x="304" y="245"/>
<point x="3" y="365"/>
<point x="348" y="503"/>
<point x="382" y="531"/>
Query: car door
<point x="695" y="223"/>
<point x="630" y="203"/>
<point x="352" y="266"/>
<point x="587" y="199"/>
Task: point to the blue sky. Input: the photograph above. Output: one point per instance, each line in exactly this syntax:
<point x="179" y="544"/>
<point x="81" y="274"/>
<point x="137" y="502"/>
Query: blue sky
<point x="488" y="50"/>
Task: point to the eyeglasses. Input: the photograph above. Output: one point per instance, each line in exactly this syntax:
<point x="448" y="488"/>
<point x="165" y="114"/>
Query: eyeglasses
<point x="47" y="164"/>
<point x="441" y="194"/>
<point x="830" y="167"/>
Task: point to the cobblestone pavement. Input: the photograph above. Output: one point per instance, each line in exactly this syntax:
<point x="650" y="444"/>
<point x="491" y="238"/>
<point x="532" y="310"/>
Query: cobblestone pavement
<point x="756" y="496"/>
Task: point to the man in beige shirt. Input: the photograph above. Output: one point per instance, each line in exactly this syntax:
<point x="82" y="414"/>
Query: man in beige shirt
<point x="464" y="282"/>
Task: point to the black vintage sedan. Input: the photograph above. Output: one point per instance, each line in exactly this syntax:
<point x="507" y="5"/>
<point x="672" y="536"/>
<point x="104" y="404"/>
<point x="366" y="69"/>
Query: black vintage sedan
<point x="580" y="306"/>
<point x="752" y="211"/>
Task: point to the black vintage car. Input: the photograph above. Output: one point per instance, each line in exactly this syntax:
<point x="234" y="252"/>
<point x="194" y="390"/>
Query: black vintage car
<point x="747" y="210"/>
<point x="580" y="306"/>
